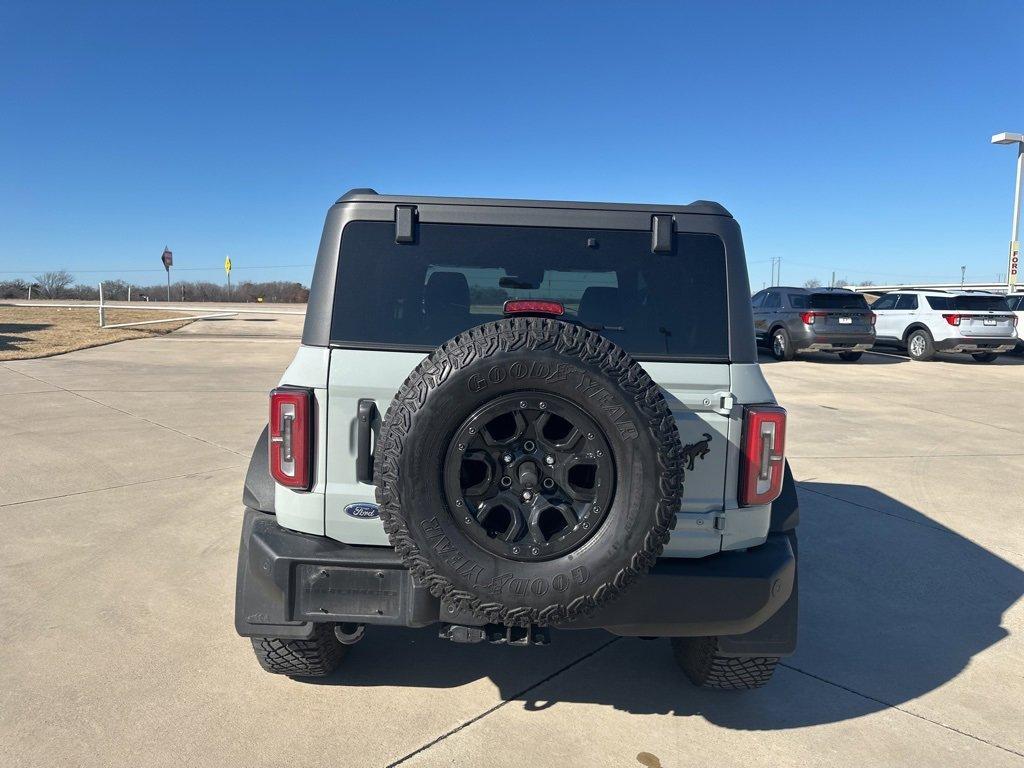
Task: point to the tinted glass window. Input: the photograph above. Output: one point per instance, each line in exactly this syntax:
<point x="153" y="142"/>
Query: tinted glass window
<point x="885" y="302"/>
<point x="939" y="302"/>
<point x="907" y="301"/>
<point x="773" y="301"/>
<point x="837" y="301"/>
<point x="1020" y="303"/>
<point x="798" y="300"/>
<point x="980" y="303"/>
<point x="418" y="295"/>
<point x="757" y="299"/>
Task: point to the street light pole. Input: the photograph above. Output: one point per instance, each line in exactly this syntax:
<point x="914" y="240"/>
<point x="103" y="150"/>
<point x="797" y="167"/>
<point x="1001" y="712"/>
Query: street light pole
<point x="1014" y="258"/>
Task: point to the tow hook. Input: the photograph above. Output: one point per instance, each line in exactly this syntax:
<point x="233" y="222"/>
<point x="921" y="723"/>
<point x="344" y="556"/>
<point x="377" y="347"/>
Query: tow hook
<point x="349" y="634"/>
<point x="497" y="634"/>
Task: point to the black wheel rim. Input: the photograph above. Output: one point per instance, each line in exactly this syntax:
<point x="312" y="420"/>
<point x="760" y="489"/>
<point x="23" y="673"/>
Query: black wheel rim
<point x="529" y="476"/>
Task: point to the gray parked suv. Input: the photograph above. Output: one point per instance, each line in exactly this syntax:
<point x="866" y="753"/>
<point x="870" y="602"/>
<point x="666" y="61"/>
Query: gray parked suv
<point x="791" y="320"/>
<point x="507" y="416"/>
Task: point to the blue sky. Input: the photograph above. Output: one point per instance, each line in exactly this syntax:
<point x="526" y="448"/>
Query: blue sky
<point x="851" y="136"/>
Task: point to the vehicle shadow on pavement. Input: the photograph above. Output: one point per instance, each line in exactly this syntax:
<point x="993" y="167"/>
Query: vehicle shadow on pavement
<point x="893" y="605"/>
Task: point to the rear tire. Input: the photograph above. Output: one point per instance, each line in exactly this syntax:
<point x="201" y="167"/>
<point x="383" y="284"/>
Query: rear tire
<point x="850" y="357"/>
<point x="316" y="657"/>
<point x="985" y="357"/>
<point x="707" y="668"/>
<point x="782" y="345"/>
<point x="920" y="345"/>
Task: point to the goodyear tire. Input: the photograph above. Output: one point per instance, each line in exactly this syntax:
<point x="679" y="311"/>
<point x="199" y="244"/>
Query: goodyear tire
<point x="528" y="471"/>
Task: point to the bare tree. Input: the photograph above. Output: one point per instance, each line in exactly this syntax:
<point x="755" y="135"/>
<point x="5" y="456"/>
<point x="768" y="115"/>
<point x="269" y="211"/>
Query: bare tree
<point x="812" y="283"/>
<point x="53" y="285"/>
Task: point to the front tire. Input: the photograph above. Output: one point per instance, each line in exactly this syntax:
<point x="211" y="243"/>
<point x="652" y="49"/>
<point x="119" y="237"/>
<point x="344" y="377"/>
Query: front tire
<point x="318" y="656"/>
<point x="985" y="357"/>
<point x="702" y="663"/>
<point x="851" y="357"/>
<point x="920" y="345"/>
<point x="782" y="345"/>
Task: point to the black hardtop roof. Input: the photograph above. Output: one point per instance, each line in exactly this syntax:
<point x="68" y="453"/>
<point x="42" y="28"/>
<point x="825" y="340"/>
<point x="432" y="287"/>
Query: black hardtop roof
<point x="364" y="195"/>
<point x="801" y="289"/>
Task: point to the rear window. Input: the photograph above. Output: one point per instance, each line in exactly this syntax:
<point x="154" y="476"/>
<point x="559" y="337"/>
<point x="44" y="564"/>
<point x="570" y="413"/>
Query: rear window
<point x="415" y="296"/>
<point x="969" y="303"/>
<point x="837" y="301"/>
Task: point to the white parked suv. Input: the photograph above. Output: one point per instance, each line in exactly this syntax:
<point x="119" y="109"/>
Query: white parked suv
<point x="926" y="322"/>
<point x="1016" y="302"/>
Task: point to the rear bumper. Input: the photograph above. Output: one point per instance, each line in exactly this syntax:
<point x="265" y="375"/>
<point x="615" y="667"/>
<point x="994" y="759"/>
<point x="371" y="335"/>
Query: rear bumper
<point x="289" y="581"/>
<point x="810" y="341"/>
<point x="976" y="344"/>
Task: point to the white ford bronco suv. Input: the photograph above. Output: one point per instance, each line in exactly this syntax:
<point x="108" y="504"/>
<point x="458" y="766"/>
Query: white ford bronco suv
<point x="508" y="416"/>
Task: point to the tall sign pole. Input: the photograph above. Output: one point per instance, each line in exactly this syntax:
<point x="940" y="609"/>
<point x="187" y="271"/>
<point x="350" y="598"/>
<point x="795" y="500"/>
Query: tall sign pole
<point x="1013" y="262"/>
<point x="168" y="259"/>
<point x="227" y="270"/>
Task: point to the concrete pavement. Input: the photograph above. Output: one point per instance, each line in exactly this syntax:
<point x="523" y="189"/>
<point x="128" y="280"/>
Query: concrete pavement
<point x="120" y="506"/>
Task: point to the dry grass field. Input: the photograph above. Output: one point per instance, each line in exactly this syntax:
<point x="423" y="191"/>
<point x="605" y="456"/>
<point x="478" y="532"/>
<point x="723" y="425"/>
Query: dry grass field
<point x="29" y="332"/>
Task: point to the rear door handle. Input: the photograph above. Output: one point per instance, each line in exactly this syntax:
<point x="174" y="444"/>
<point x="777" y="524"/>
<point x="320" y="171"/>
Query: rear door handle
<point x="366" y="415"/>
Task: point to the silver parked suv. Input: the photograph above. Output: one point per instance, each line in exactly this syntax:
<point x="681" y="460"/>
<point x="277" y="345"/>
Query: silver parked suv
<point x="791" y="320"/>
<point x="926" y="322"/>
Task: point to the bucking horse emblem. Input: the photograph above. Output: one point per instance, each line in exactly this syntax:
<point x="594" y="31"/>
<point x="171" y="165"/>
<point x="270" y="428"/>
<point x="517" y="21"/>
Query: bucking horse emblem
<point x="696" y="451"/>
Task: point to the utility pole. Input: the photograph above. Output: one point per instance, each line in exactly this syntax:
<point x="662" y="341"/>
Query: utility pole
<point x="776" y="270"/>
<point x="963" y="272"/>
<point x="832" y="283"/>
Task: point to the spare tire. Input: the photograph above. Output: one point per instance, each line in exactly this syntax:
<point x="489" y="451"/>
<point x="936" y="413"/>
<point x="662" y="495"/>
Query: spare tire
<point x="528" y="471"/>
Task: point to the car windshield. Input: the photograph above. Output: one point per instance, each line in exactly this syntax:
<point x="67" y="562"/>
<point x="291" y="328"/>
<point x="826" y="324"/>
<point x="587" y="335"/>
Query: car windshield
<point x="418" y="295"/>
<point x="837" y="301"/>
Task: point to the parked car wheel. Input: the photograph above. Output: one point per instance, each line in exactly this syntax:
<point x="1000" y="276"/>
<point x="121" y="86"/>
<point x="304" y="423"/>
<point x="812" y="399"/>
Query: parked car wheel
<point x="851" y="357"/>
<point x="706" y="667"/>
<point x="920" y="345"/>
<point x="985" y="357"/>
<point x="782" y="345"/>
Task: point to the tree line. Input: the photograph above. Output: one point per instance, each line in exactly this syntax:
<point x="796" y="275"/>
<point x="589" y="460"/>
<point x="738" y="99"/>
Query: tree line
<point x="62" y="285"/>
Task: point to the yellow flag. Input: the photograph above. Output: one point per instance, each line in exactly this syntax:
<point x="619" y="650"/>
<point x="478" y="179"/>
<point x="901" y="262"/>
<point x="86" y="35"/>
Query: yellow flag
<point x="227" y="264"/>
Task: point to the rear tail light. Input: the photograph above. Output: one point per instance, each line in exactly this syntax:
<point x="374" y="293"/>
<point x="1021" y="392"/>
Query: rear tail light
<point x="533" y="306"/>
<point x="872" y="318"/>
<point x="291" y="433"/>
<point x="808" y="317"/>
<point x="762" y="454"/>
<point x="952" y="319"/>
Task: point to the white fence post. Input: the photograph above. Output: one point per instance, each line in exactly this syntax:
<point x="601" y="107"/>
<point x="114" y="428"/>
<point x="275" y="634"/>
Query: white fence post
<point x="102" y="319"/>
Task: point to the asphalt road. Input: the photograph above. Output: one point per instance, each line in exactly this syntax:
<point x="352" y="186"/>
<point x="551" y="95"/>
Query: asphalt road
<point x="119" y="495"/>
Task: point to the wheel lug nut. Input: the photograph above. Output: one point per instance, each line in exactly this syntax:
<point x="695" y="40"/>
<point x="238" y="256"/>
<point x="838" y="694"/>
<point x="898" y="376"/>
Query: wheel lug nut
<point x="590" y="435"/>
<point x="549" y="460"/>
<point x="543" y="405"/>
<point x="507" y="458"/>
<point x="522" y="403"/>
<point x="462" y="446"/>
<point x="458" y="502"/>
<point x="527" y="495"/>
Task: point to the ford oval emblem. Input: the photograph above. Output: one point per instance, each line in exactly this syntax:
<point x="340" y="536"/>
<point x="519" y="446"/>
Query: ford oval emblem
<point x="363" y="510"/>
